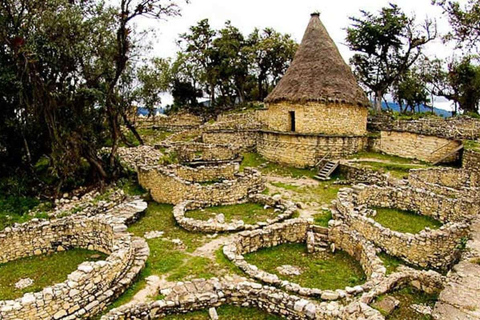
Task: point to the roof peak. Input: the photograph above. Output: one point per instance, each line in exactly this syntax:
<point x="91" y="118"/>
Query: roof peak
<point x="318" y="72"/>
<point x="315" y="14"/>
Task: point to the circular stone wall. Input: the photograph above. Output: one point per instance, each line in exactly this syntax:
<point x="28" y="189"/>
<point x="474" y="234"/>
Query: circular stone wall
<point x="429" y="248"/>
<point x="90" y="288"/>
<point x="284" y="208"/>
<point x="299" y="231"/>
<point x="175" y="184"/>
<point x="196" y="152"/>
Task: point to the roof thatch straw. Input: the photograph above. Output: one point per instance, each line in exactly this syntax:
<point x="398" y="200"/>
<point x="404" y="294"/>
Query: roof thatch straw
<point x="318" y="72"/>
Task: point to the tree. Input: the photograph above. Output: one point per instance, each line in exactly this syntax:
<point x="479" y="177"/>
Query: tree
<point x="411" y="90"/>
<point x="270" y="54"/>
<point x="458" y="82"/>
<point x="61" y="62"/>
<point x="387" y="45"/>
<point x="465" y="21"/>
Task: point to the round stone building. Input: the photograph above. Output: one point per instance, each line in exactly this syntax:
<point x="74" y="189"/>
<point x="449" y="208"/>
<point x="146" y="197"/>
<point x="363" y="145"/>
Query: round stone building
<point x="317" y="109"/>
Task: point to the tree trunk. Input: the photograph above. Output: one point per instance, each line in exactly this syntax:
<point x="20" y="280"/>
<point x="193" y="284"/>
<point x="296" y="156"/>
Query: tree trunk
<point x="378" y="102"/>
<point x="132" y="128"/>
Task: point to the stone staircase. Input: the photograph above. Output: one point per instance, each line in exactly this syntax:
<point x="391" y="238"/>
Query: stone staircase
<point x="327" y="169"/>
<point x="317" y="239"/>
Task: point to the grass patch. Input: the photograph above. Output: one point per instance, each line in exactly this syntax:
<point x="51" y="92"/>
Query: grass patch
<point x="255" y="160"/>
<point x="131" y="187"/>
<point x="404" y="221"/>
<point x="227" y="312"/>
<point x="159" y="217"/>
<point x="472" y="145"/>
<point x="250" y="213"/>
<point x="322" y="218"/>
<point x="14" y="209"/>
<point x="391" y="263"/>
<point x="44" y="270"/>
<point x="195" y="267"/>
<point x="396" y="170"/>
<point x="325" y="192"/>
<point x="224" y="262"/>
<point x="408" y="296"/>
<point x="325" y="270"/>
<point x="383" y="157"/>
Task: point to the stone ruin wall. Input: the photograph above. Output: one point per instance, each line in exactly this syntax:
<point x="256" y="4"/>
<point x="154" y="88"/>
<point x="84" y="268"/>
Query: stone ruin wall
<point x="206" y="173"/>
<point x="306" y="150"/>
<point x="244" y="140"/>
<point x="450" y="182"/>
<point x="316" y="118"/>
<point x="284" y="209"/>
<point x="93" y="285"/>
<point x="188" y="152"/>
<point x="299" y="231"/>
<point x="417" y="146"/>
<point x="166" y="187"/>
<point x="471" y="161"/>
<point x="174" y="123"/>
<point x="430" y="248"/>
<point x="450" y="128"/>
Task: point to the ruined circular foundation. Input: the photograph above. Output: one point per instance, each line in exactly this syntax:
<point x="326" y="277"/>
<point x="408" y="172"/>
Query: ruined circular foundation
<point x="222" y="184"/>
<point x="429" y="248"/>
<point x="94" y="285"/>
<point x="316" y="238"/>
<point x="284" y="208"/>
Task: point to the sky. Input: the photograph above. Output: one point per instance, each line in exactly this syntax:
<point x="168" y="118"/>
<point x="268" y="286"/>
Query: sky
<point x="289" y="17"/>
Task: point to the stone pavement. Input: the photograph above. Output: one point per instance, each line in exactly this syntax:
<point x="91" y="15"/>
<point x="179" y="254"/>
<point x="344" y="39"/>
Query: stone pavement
<point x="460" y="300"/>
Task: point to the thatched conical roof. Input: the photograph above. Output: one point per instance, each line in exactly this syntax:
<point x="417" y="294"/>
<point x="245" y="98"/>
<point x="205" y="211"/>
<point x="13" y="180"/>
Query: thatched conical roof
<point x="318" y="72"/>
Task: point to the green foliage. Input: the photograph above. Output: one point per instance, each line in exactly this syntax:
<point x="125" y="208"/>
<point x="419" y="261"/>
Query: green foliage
<point x="408" y="296"/>
<point x="458" y="81"/>
<point x="324" y="270"/>
<point x="227" y="66"/>
<point x="404" y="221"/>
<point x="387" y="45"/>
<point x="45" y="270"/>
<point x="227" y="312"/>
<point x="323" y="218"/>
<point x="471" y="145"/>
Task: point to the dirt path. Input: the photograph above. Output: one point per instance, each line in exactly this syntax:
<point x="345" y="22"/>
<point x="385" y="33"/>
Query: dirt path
<point x="208" y="249"/>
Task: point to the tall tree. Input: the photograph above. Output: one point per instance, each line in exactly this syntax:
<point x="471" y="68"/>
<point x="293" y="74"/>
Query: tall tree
<point x="387" y="45"/>
<point x="465" y="22"/>
<point x="459" y="82"/>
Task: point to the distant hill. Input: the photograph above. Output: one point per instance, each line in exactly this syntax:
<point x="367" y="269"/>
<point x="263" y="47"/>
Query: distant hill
<point x="395" y="107"/>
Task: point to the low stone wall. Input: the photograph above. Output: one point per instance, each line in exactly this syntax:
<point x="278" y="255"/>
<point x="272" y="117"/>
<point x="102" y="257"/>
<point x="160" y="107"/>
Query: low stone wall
<point x="285" y="210"/>
<point x="205" y="173"/>
<point x="450" y="128"/>
<point x="175" y="123"/>
<point x="138" y="156"/>
<point x="297" y="231"/>
<point x="417" y="146"/>
<point x="239" y="121"/>
<point x="303" y="150"/>
<point x="450" y="182"/>
<point x="471" y="161"/>
<point x="195" y="151"/>
<point x="429" y="248"/>
<point x="357" y="174"/>
<point x="243" y="139"/>
<point x="90" y="288"/>
<point x="201" y="294"/>
<point x="166" y="187"/>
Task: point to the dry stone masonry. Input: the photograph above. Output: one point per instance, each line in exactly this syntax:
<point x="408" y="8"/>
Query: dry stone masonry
<point x="301" y="231"/>
<point x="285" y="210"/>
<point x="429" y="248"/>
<point x="94" y="285"/>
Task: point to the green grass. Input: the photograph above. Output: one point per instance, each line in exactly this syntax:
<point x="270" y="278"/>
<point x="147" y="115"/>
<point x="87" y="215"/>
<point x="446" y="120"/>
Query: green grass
<point x="44" y="270"/>
<point x="324" y="271"/>
<point x="250" y="213"/>
<point x="255" y="160"/>
<point x="14" y="209"/>
<point x="391" y="263"/>
<point x="149" y="135"/>
<point x="195" y="267"/>
<point x="159" y="217"/>
<point x="325" y="192"/>
<point x="227" y="312"/>
<point x="404" y="221"/>
<point x="396" y="170"/>
<point x="472" y="145"/>
<point x="383" y="157"/>
<point x="322" y="218"/>
<point x="131" y="187"/>
<point x="408" y="296"/>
